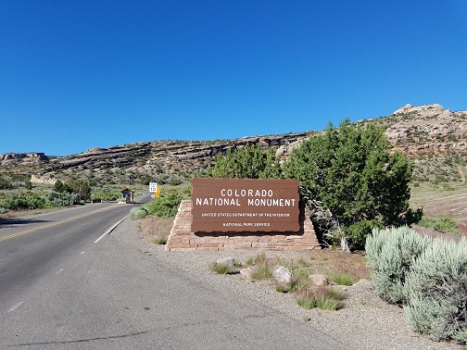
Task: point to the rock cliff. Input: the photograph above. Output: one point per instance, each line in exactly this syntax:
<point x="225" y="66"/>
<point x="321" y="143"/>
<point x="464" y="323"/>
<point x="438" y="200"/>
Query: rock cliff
<point x="414" y="130"/>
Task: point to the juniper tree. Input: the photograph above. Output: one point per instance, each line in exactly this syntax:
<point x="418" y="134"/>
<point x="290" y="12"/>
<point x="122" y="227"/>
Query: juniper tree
<point x="350" y="174"/>
<point x="249" y="162"/>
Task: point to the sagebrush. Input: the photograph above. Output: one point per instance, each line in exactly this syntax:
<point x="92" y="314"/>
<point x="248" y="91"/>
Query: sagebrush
<point x="391" y="254"/>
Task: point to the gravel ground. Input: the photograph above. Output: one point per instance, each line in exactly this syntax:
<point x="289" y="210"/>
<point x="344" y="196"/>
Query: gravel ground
<point x="365" y="322"/>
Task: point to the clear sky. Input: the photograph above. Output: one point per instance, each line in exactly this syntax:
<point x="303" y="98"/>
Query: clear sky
<point x="81" y="74"/>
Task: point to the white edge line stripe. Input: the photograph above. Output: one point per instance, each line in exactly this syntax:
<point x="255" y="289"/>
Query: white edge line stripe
<point x="15" y="307"/>
<point x="110" y="229"/>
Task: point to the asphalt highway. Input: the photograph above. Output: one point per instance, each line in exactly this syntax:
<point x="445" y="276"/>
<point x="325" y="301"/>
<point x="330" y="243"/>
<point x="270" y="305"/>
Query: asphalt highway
<point x="65" y="283"/>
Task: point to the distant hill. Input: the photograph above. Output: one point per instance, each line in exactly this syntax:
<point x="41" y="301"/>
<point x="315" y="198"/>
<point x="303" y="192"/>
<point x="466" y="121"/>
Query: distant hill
<point x="436" y="138"/>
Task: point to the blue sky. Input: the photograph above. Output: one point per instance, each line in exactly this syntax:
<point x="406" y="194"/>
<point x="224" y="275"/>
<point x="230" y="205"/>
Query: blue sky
<point x="81" y="74"/>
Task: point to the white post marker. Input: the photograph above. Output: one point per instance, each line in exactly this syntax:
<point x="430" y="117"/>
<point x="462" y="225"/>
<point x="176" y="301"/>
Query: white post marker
<point x="152" y="187"/>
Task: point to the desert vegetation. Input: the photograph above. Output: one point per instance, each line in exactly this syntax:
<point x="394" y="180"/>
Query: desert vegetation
<point x="427" y="277"/>
<point x="155" y="229"/>
<point x="316" y="279"/>
<point x="349" y="179"/>
<point x="363" y="184"/>
<point x="18" y="198"/>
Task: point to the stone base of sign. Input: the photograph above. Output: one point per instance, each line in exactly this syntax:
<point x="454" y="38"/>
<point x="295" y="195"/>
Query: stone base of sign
<point x="182" y="239"/>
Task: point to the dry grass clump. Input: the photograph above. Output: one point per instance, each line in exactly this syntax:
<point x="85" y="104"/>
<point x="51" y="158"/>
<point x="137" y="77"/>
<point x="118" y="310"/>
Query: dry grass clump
<point x="222" y="269"/>
<point x="262" y="267"/>
<point x="296" y="284"/>
<point x="258" y="259"/>
<point x="155" y="229"/>
<point x="262" y="271"/>
<point x="341" y="269"/>
<point x="324" y="298"/>
<point x="343" y="279"/>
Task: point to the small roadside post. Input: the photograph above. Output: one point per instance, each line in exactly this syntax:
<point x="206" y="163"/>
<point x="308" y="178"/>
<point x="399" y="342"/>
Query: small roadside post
<point x="154" y="190"/>
<point x="152" y="187"/>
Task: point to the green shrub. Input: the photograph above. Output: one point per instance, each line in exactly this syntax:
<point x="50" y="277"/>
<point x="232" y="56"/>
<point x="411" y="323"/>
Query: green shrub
<point x="63" y="199"/>
<point x="105" y="194"/>
<point x="391" y="253"/>
<point x="138" y="213"/>
<point x="28" y="200"/>
<point x="175" y="182"/>
<point x="442" y="224"/>
<point x="167" y="205"/>
<point x="80" y="187"/>
<point x="28" y="184"/>
<point x="351" y="174"/>
<point x="5" y="184"/>
<point x="436" y="291"/>
<point x="3" y="210"/>
<point x="58" y="186"/>
<point x="247" y="162"/>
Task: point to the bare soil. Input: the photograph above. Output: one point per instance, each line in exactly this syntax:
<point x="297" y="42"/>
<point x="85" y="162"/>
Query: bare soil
<point x="448" y="199"/>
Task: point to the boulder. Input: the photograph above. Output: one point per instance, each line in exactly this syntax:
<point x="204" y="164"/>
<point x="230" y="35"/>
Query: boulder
<point x="282" y="274"/>
<point x="228" y="261"/>
<point x="319" y="280"/>
<point x="364" y="284"/>
<point x="247" y="272"/>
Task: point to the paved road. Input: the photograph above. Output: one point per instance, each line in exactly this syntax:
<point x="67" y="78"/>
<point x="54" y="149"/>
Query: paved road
<point x="61" y="290"/>
<point x="31" y="246"/>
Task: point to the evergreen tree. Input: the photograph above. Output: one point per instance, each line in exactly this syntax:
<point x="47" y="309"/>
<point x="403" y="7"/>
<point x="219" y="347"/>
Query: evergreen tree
<point x="5" y="184"/>
<point x="352" y="182"/>
<point x="248" y="162"/>
<point x="28" y="184"/>
<point x="80" y="187"/>
<point x="58" y="186"/>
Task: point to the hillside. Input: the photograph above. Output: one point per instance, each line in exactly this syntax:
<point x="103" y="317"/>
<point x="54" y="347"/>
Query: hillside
<point x="436" y="138"/>
<point x="162" y="161"/>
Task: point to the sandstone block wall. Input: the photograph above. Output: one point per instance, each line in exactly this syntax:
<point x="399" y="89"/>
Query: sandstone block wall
<point x="181" y="238"/>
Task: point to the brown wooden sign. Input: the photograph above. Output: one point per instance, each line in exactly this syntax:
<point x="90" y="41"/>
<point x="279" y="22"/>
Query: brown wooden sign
<point x="245" y="205"/>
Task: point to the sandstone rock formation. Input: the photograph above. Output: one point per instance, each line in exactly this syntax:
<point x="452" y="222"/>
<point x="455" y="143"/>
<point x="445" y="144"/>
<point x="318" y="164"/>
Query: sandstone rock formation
<point x="15" y="158"/>
<point x="414" y="130"/>
<point x="427" y="128"/>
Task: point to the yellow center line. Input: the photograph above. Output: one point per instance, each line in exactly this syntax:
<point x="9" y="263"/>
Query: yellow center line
<point x="54" y="224"/>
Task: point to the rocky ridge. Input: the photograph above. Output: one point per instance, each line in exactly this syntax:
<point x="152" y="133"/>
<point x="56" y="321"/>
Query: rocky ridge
<point x="414" y="130"/>
<point x="15" y="158"/>
<point x="427" y="128"/>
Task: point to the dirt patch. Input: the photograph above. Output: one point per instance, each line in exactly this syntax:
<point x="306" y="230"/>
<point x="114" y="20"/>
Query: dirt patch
<point x="429" y="232"/>
<point x="155" y="229"/>
<point x="437" y="202"/>
<point x="330" y="262"/>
